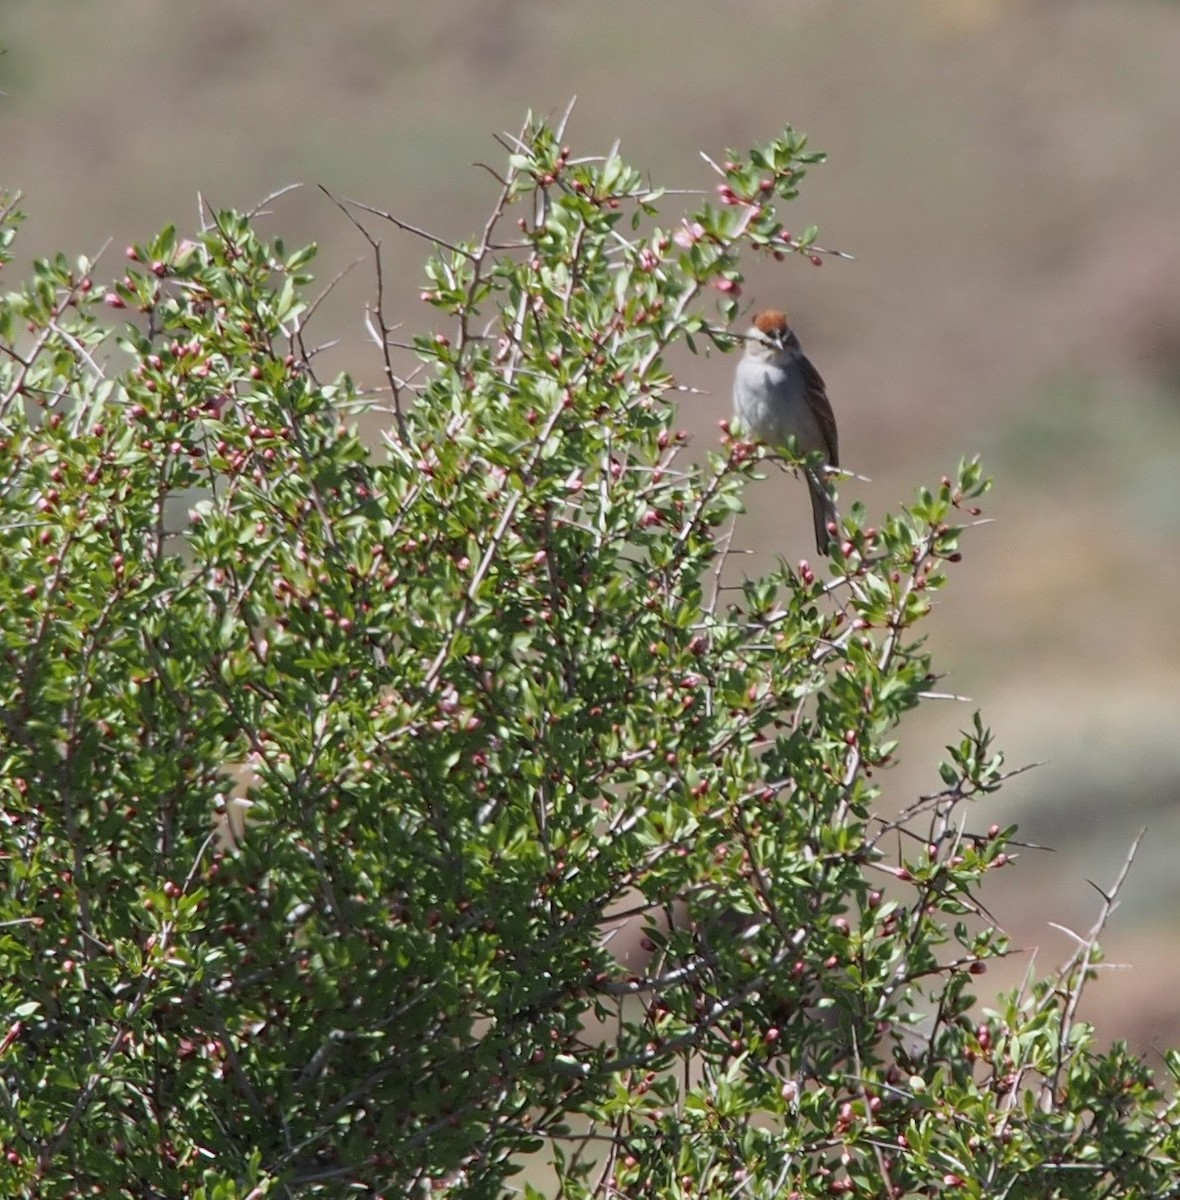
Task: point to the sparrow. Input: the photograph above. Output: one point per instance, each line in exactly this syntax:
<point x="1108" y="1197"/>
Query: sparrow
<point x="779" y="395"/>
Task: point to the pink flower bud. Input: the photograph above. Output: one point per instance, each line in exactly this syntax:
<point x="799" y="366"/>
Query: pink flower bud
<point x="688" y="234"/>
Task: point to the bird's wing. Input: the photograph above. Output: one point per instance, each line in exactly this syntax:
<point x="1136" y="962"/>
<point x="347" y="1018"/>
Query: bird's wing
<point x="822" y="408"/>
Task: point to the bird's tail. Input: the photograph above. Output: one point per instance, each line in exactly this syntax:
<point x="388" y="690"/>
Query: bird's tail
<point x="823" y="511"/>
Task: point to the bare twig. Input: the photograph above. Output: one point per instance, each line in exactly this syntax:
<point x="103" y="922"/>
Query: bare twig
<point x="381" y="337"/>
<point x="1075" y="972"/>
<point x="404" y="226"/>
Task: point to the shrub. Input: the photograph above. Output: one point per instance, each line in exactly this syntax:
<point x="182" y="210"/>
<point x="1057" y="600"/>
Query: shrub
<point x="486" y="701"/>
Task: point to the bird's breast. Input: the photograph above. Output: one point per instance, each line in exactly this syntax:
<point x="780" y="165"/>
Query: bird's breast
<point x="770" y="402"/>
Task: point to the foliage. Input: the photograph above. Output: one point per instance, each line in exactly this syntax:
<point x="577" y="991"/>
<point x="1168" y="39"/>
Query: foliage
<point x="486" y="701"/>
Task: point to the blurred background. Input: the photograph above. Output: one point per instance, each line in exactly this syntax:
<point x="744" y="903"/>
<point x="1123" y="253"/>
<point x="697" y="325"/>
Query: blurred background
<point x="1007" y="174"/>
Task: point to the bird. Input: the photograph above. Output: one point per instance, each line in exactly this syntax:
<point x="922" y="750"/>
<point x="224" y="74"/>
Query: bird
<point x="779" y="395"/>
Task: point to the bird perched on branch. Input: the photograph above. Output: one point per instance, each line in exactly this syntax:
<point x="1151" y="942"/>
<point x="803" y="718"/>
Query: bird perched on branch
<point x="779" y="395"/>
